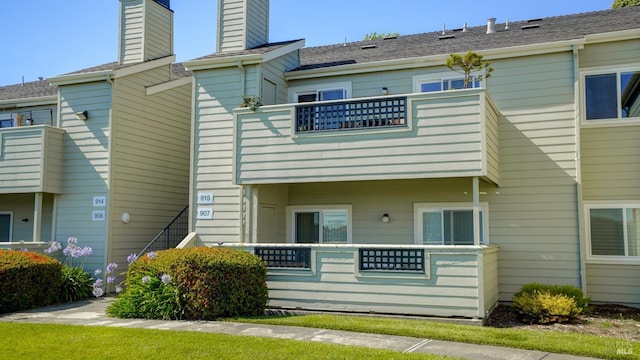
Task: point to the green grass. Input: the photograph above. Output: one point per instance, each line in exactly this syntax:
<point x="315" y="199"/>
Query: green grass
<point x="541" y="340"/>
<point x="40" y="341"/>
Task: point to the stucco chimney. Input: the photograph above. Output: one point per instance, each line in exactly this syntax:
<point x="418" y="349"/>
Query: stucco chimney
<point x="242" y="24"/>
<point x="491" y="25"/>
<point x="146" y="30"/>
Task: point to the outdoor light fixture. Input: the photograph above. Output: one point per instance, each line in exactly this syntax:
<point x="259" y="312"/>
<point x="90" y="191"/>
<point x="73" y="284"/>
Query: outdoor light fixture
<point x="26" y="220"/>
<point x="385" y="91"/>
<point x="385" y="218"/>
<point x="82" y="115"/>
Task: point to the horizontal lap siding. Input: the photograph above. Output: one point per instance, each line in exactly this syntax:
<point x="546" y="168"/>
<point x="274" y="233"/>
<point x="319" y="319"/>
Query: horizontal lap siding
<point x="445" y="142"/>
<point x="150" y="159"/>
<point x="231" y="25"/>
<point x="617" y="283"/>
<point x="452" y="289"/>
<point x="132" y="27"/>
<point x="610" y="159"/>
<point x="86" y="166"/>
<point x="533" y="214"/>
<point x="158" y="33"/>
<point x="257" y="23"/>
<point x="21" y="162"/>
<point x="22" y="207"/>
<point x="217" y="93"/>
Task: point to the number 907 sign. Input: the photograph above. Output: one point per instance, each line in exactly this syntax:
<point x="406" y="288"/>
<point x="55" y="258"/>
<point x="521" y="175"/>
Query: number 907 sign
<point x="204" y="213"/>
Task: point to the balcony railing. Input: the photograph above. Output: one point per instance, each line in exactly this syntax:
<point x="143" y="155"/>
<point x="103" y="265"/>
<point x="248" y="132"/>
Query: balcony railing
<point x="339" y="115"/>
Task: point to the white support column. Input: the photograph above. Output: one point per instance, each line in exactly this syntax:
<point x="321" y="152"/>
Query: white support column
<point x="255" y="207"/>
<point x="245" y="222"/>
<point x="37" y="217"/>
<point x="476" y="211"/>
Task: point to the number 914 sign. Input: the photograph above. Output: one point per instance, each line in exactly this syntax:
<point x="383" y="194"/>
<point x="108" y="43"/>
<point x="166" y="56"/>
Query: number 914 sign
<point x="204" y="213"/>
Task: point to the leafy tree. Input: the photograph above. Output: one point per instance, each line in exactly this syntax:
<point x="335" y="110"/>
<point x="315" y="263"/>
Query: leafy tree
<point x="624" y="3"/>
<point x="375" y="36"/>
<point x="471" y="62"/>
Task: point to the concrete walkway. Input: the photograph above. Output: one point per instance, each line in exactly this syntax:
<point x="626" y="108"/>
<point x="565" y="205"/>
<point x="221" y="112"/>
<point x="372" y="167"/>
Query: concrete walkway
<point x="92" y="313"/>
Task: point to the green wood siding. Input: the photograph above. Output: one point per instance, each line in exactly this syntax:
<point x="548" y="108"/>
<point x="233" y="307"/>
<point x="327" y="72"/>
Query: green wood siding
<point x="146" y="31"/>
<point x="618" y="283"/>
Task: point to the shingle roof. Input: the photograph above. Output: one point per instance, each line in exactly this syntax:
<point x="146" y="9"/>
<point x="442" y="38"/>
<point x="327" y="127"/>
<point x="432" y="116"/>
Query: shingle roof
<point x="552" y="29"/>
<point x="258" y="50"/>
<point x="29" y="90"/>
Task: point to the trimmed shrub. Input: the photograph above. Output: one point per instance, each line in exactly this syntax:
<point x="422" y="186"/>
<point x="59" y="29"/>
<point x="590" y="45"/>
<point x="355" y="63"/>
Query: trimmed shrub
<point x="76" y="284"/>
<point x="28" y="280"/>
<point x="547" y="304"/>
<point x="210" y="283"/>
<point x="148" y="297"/>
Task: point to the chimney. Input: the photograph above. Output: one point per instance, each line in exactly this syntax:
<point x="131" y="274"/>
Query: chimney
<point x="242" y="24"/>
<point x="146" y="30"/>
<point x="491" y="26"/>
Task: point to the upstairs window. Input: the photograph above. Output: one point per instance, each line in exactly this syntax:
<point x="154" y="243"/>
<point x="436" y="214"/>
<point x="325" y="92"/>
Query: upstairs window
<point x="432" y="83"/>
<point x="612" y="95"/>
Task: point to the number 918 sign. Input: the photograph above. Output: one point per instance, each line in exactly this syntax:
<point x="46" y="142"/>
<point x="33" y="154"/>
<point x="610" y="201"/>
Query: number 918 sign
<point x="204" y="213"/>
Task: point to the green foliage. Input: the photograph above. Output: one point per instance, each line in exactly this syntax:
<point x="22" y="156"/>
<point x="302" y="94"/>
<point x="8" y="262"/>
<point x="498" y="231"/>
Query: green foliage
<point x="568" y="290"/>
<point x="375" y="36"/>
<point x="210" y="282"/>
<point x="148" y="297"/>
<point x="546" y="304"/>
<point x="624" y="3"/>
<point x="28" y="280"/>
<point x="470" y="62"/>
<point x="76" y="284"/>
<point x="252" y="102"/>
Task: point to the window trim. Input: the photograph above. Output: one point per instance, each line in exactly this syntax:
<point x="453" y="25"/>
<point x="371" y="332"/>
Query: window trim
<point x="10" y="213"/>
<point x="617" y="121"/>
<point x="296" y="91"/>
<point x="418" y="80"/>
<point x="292" y="210"/>
<point x="608" y="259"/>
<point x="419" y="208"/>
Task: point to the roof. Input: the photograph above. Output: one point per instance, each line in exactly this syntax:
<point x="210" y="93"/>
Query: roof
<point x="28" y="90"/>
<point x="258" y="50"/>
<point x="528" y="32"/>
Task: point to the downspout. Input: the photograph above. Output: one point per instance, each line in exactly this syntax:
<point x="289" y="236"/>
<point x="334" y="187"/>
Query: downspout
<point x="579" y="201"/>
<point x="243" y="76"/>
<point x="245" y="192"/>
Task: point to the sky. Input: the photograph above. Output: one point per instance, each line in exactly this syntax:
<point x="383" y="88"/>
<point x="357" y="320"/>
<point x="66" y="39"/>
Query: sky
<point x="44" y="38"/>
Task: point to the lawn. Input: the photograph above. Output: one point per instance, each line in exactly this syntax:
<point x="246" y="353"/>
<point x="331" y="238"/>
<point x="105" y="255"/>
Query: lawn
<point x="40" y="341"/>
<point x="541" y="340"/>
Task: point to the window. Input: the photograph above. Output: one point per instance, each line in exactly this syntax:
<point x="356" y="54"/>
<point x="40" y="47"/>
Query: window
<point x="612" y="95"/>
<point x="447" y="225"/>
<point x="5" y="123"/>
<point x="425" y="83"/>
<point x="614" y="230"/>
<point x="6" y="221"/>
<point x="326" y="225"/>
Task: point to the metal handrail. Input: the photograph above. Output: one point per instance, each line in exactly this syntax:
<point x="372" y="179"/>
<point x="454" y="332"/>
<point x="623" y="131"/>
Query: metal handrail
<point x="171" y="235"/>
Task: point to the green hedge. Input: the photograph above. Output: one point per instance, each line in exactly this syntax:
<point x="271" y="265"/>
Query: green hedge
<point x="28" y="280"/>
<point x="209" y="283"/>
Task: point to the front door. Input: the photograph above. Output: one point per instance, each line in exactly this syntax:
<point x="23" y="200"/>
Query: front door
<point x="5" y="226"/>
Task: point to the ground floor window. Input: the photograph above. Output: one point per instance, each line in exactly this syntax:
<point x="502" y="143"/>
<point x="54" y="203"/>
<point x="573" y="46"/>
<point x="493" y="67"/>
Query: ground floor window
<point x="5" y="226"/>
<point x="614" y="230"/>
<point x="320" y="225"/>
<point x="447" y="224"/>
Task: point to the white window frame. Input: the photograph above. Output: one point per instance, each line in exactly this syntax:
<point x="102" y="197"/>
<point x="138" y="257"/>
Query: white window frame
<point x="583" y="96"/>
<point x="609" y="259"/>
<point x="291" y="219"/>
<point x="10" y="213"/>
<point x="419" y="208"/>
<point x="418" y="80"/>
<point x="296" y="91"/>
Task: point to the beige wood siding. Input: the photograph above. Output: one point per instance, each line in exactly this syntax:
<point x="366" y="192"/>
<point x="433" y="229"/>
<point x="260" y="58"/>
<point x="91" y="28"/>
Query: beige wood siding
<point x="445" y="139"/>
<point x="231" y="25"/>
<point x="273" y="71"/>
<point x="610" y="165"/>
<point x="217" y="93"/>
<point x="31" y="159"/>
<point x="490" y="287"/>
<point x="146" y="31"/>
<point x="610" y="54"/>
<point x="334" y="282"/>
<point x="534" y="212"/>
<point x="150" y="141"/>
<point x="614" y="283"/>
<point x="86" y="166"/>
<point x="257" y="23"/>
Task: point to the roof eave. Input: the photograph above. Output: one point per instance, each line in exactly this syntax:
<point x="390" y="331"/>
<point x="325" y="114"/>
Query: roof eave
<point x="434" y="60"/>
<point x="32" y="101"/>
<point x="87" y="77"/>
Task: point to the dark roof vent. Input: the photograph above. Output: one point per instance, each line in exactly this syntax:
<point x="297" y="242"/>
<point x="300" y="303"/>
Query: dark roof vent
<point x="445" y="37"/>
<point x="390" y="37"/>
<point x="366" y="47"/>
<point x="534" y="21"/>
<point x="532" y="26"/>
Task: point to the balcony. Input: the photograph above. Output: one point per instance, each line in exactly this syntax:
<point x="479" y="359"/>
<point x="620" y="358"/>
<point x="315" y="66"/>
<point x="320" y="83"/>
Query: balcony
<point x="31" y="159"/>
<point x="425" y="135"/>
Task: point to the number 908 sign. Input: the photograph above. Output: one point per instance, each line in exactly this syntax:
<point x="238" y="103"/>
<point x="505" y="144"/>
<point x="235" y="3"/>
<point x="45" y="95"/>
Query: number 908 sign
<point x="204" y="213"/>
